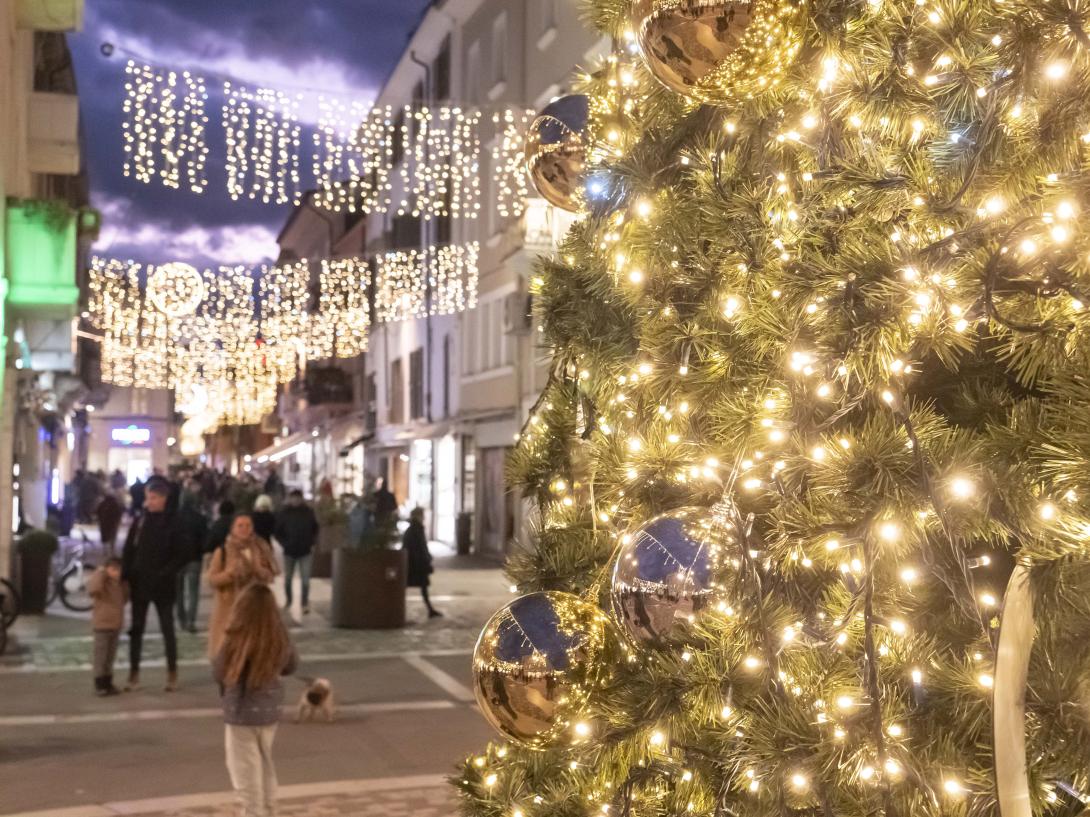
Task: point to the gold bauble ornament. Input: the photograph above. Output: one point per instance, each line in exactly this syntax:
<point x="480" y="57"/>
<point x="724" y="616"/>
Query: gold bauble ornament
<point x="671" y="569"/>
<point x="176" y="289"/>
<point x="556" y="151"/>
<point x="718" y="50"/>
<point x="535" y="664"/>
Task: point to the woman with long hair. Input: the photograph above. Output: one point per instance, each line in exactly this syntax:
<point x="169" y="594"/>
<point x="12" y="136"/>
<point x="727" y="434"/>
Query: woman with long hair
<point x="256" y="652"/>
<point x="244" y="558"/>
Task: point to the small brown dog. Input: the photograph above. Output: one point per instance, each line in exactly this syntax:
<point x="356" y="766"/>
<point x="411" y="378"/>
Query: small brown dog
<point x="316" y="698"/>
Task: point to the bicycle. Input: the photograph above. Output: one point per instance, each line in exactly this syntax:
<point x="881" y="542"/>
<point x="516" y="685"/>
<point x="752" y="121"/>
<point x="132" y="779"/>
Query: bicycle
<point x="9" y="611"/>
<point x="70" y="574"/>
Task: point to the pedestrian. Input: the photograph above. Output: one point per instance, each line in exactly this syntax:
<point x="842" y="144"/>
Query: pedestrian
<point x="274" y="487"/>
<point x="150" y="562"/>
<point x="415" y="544"/>
<point x="297" y="531"/>
<point x="192" y="527"/>
<point x="220" y="527"/>
<point x="264" y="518"/>
<point x="256" y="652"/>
<point x="385" y="507"/>
<point x="245" y="558"/>
<point x="137" y="492"/>
<point x="108" y="596"/>
<point x="110" y="510"/>
<point x="117" y="481"/>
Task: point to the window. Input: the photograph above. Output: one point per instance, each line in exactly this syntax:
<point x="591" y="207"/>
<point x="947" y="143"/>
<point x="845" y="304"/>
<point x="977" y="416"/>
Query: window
<point x="395" y="395"/>
<point x="416" y="384"/>
<point x="397" y="149"/>
<point x="448" y="355"/>
<point x="369" y="401"/>
<point x="473" y="73"/>
<point x="441" y="72"/>
<point x="499" y="50"/>
<point x="546" y="22"/>
<point x="485" y="345"/>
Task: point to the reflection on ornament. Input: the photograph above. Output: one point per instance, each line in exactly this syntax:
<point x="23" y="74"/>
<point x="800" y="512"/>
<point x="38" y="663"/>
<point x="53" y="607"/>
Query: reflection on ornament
<point x="670" y="569"/>
<point x="556" y="151"/>
<point x="718" y="50"/>
<point x="535" y="663"/>
<point x="176" y="289"/>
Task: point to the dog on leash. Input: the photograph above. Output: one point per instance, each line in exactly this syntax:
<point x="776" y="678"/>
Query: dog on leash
<point x="316" y="699"/>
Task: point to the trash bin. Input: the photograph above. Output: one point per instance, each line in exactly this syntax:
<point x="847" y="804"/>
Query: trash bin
<point x="463" y="533"/>
<point x="369" y="588"/>
<point x="36" y="549"/>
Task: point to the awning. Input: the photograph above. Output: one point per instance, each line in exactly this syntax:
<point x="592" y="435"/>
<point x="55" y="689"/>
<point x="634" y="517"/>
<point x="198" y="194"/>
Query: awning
<point x="285" y="448"/>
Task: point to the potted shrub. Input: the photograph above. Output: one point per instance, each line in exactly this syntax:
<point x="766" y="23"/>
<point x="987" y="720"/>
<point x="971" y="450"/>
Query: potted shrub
<point x="35" y="549"/>
<point x="369" y="581"/>
<point x="332" y="534"/>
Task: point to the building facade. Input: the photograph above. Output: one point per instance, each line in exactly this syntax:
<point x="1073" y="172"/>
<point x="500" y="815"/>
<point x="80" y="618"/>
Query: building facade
<point x="447" y="394"/>
<point x="45" y="233"/>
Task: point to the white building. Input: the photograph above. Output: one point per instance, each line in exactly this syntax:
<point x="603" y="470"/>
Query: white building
<point x="44" y="234"/>
<point x="449" y="393"/>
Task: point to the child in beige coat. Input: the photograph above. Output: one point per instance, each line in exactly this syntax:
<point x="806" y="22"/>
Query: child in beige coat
<point x="109" y="595"/>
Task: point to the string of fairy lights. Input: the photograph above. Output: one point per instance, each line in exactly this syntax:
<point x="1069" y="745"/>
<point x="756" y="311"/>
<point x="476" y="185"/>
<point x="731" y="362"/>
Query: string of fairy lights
<point x="234" y="334"/>
<point x="356" y="151"/>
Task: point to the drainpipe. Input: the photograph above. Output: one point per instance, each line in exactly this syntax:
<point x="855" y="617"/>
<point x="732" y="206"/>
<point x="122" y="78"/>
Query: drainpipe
<point x="427" y="279"/>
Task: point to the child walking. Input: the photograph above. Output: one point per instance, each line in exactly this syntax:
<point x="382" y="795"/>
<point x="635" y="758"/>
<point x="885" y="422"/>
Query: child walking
<point x="108" y="594"/>
<point x="256" y="652"/>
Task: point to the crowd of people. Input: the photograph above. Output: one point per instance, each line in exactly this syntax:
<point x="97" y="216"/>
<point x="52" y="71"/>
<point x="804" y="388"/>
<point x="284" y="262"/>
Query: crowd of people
<point x="173" y="545"/>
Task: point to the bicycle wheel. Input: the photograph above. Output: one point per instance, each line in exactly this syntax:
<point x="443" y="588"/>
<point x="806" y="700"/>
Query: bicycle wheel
<point x="9" y="603"/>
<point x="72" y="587"/>
<point x="3" y="638"/>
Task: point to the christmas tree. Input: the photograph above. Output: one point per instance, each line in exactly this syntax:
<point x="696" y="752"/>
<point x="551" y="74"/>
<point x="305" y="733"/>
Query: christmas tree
<point x="812" y="467"/>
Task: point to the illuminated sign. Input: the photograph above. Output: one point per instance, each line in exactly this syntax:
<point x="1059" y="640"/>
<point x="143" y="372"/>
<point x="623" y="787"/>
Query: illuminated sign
<point x="133" y="435"/>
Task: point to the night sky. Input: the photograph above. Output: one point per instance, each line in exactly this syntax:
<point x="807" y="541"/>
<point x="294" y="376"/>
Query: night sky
<point x="340" y="46"/>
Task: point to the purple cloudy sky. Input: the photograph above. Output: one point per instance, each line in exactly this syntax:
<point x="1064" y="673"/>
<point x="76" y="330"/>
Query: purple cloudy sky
<point x="340" y="46"/>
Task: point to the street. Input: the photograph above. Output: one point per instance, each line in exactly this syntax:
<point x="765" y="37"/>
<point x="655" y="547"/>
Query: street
<point x="405" y="716"/>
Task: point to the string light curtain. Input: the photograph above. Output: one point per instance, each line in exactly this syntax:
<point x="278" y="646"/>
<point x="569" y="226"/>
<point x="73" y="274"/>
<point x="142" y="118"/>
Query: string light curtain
<point x="262" y="129"/>
<point x="404" y="278"/>
<point x="164" y="127"/>
<point x="356" y="152"/>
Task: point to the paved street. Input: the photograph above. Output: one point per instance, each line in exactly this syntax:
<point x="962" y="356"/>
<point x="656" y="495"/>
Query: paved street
<point x="406" y="716"/>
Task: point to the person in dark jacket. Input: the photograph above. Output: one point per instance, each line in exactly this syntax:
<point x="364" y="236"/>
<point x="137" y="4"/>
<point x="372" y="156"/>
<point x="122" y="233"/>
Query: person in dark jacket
<point x="150" y="563"/>
<point x="192" y="527"/>
<point x="136" y="494"/>
<point x="385" y="506"/>
<point x="217" y="532"/>
<point x="297" y="531"/>
<point x="264" y="518"/>
<point x="110" y="510"/>
<point x="415" y="543"/>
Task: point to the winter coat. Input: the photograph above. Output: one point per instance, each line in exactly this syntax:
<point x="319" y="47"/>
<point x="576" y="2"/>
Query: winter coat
<point x="243" y="706"/>
<point x="264" y="524"/>
<point x="296" y="530"/>
<point x="228" y="572"/>
<point x="152" y="556"/>
<point x="109" y="596"/>
<point x="192" y="528"/>
<point x="110" y="510"/>
<point x="217" y="533"/>
<point x="415" y="544"/>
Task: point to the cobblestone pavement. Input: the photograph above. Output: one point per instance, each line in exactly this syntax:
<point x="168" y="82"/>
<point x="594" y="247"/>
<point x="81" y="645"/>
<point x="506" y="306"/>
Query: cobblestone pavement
<point x="407" y="716"/>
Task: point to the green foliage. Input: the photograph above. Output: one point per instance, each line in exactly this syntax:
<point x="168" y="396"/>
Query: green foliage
<point x="859" y="310"/>
<point x="37" y="541"/>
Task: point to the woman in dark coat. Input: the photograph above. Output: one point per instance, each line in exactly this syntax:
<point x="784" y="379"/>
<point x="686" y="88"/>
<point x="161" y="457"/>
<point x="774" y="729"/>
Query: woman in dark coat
<point x="415" y="543"/>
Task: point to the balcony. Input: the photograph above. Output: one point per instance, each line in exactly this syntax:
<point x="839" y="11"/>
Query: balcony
<point x="53" y="130"/>
<point x="41" y="258"/>
<point x="324" y="386"/>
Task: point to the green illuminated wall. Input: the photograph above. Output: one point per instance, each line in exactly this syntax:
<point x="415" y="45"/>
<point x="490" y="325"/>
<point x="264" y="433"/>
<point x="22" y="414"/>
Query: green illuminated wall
<point x="41" y="257"/>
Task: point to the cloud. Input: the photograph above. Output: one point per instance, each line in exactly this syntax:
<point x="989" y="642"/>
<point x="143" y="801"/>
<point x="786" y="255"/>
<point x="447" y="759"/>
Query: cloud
<point x="157" y="241"/>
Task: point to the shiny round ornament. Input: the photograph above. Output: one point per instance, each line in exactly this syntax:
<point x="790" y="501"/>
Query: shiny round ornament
<point x="176" y="289"/>
<point x="556" y="151"/>
<point x="672" y="568"/>
<point x="718" y="50"/>
<point x="535" y="663"/>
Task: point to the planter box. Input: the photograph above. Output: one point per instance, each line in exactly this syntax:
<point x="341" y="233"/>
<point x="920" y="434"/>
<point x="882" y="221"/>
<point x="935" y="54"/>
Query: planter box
<point x="34" y="571"/>
<point x="369" y="589"/>
<point x="330" y="538"/>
